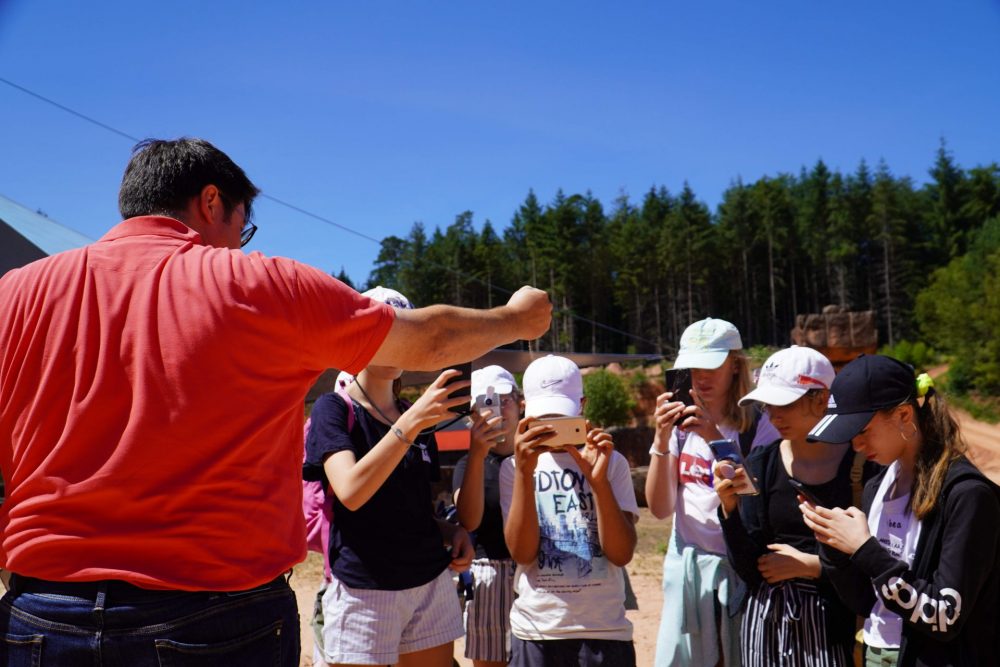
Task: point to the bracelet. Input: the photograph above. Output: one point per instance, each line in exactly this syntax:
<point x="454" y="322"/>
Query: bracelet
<point x="656" y="452"/>
<point x="398" y="432"/>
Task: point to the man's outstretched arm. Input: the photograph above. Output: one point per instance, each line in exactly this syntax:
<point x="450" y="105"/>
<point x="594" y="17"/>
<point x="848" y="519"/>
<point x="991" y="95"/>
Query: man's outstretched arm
<point x="437" y="336"/>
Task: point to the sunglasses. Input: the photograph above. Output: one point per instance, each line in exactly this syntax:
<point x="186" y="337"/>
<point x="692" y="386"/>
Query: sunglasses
<point x="249" y="229"/>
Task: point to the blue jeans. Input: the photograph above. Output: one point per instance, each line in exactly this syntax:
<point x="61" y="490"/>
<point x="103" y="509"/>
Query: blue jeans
<point x="114" y="623"/>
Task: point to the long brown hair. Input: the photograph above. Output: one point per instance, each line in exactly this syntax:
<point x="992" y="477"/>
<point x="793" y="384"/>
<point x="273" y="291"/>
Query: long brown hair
<point x="942" y="445"/>
<point x="739" y="417"/>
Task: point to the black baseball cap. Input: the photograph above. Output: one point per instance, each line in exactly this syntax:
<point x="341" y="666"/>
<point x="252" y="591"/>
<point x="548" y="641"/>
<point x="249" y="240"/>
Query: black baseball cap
<point x="863" y="387"/>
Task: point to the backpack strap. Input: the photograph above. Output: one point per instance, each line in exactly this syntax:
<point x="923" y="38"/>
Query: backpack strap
<point x="342" y="392"/>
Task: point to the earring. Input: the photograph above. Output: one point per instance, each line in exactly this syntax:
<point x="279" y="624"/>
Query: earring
<point x="904" y="436"/>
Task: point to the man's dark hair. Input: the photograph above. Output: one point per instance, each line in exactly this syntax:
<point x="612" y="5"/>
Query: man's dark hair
<point x="163" y="176"/>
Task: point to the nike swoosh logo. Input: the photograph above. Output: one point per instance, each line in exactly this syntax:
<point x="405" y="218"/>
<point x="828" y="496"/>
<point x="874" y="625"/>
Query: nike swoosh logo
<point x="549" y="383"/>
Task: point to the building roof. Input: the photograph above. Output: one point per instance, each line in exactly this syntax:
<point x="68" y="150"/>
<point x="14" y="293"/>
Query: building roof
<point x="26" y="236"/>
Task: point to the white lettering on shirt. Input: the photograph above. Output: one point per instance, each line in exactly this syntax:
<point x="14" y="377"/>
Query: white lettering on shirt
<point x="925" y="608"/>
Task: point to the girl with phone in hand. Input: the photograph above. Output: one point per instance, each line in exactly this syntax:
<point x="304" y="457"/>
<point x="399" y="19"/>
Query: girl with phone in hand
<point x="476" y="484"/>
<point x="920" y="561"/>
<point x="792" y="614"/>
<point x="699" y="624"/>
<point x="391" y="599"/>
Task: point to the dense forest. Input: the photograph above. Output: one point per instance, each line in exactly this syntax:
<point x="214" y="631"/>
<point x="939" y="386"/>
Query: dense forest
<point x="631" y="276"/>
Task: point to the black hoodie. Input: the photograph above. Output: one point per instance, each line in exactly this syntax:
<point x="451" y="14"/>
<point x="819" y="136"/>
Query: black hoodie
<point x="949" y="598"/>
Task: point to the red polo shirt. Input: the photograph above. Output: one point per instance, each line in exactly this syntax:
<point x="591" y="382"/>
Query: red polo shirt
<point x="151" y="394"/>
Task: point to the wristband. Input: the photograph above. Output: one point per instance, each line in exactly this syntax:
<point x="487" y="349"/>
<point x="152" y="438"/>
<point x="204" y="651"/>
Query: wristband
<point x="398" y="432"/>
<point x="655" y="452"/>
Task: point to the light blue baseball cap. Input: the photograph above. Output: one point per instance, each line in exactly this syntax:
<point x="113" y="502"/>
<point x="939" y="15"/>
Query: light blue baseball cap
<point x="707" y="343"/>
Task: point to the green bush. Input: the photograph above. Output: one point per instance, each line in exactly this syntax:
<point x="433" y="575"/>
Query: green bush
<point x="758" y="354"/>
<point x="608" y="400"/>
<point x="919" y="355"/>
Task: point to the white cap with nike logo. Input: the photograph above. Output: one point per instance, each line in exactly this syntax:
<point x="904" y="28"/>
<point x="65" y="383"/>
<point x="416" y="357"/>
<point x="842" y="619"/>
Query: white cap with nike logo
<point x="552" y="386"/>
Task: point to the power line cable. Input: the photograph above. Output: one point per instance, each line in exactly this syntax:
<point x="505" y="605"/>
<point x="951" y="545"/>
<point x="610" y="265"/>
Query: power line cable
<point x="468" y="277"/>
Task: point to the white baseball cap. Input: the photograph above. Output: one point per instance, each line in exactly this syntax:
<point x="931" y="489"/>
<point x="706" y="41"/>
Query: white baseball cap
<point x="707" y="343"/>
<point x="389" y="296"/>
<point x="552" y="386"/>
<point x="492" y="376"/>
<point x="788" y="374"/>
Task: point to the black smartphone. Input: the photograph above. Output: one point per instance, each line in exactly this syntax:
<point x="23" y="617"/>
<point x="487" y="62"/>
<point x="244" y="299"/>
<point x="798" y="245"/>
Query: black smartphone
<point x="678" y="381"/>
<point x="804" y="492"/>
<point x="465" y="371"/>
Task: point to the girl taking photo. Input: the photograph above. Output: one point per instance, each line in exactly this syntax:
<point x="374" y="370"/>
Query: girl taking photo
<point x="920" y="561"/>
<point x="793" y="617"/>
<point x="700" y="624"/>
<point x="476" y="481"/>
<point x="391" y="599"/>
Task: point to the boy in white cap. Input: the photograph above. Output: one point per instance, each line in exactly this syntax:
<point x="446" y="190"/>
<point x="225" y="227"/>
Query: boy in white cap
<point x="476" y="482"/>
<point x="569" y="520"/>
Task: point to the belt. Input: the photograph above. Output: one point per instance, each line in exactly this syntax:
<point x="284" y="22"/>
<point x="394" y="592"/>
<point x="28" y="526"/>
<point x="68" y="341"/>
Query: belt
<point x="114" y="589"/>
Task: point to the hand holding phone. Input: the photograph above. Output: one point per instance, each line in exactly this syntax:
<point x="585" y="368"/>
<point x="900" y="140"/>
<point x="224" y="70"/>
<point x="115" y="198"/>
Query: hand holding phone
<point x="568" y="431"/>
<point x="678" y="383"/>
<point x="488" y="406"/>
<point x="805" y="493"/>
<point x="728" y="450"/>
<point x="465" y="375"/>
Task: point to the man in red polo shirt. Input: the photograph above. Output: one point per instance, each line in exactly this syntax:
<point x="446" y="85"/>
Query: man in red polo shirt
<point x="151" y="391"/>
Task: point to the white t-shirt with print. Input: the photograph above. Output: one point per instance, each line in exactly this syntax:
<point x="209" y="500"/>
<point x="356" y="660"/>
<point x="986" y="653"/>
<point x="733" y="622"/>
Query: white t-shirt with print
<point x="571" y="591"/>
<point x="695" y="516"/>
<point x="897" y="529"/>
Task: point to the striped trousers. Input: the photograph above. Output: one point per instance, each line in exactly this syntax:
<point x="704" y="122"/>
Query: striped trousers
<point x="790" y="624"/>
<point x="487" y="612"/>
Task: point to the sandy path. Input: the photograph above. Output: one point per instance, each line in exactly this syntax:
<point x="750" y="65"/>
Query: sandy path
<point x="984" y="445"/>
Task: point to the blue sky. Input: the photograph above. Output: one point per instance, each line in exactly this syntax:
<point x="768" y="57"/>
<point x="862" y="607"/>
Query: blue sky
<point x="379" y="114"/>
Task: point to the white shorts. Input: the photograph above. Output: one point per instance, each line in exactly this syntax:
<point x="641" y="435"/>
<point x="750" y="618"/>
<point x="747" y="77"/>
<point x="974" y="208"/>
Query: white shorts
<point x="372" y="627"/>
<point x="487" y="614"/>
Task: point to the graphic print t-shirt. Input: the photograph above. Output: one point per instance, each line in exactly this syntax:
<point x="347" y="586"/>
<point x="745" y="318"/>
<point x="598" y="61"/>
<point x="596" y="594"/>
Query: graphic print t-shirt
<point x="695" y="518"/>
<point x="571" y="590"/>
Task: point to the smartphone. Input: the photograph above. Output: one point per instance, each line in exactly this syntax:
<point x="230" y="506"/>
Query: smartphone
<point x="804" y="492"/>
<point x="465" y="371"/>
<point x="488" y="403"/>
<point x="728" y="450"/>
<point x="569" y="431"/>
<point x="678" y="381"/>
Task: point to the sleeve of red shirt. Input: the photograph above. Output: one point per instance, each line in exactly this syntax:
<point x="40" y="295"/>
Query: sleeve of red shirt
<point x="340" y="328"/>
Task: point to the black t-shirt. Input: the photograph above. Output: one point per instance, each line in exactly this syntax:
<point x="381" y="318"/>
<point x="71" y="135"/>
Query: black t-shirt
<point x="490" y="542"/>
<point x="392" y="542"/>
<point x="786" y="522"/>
